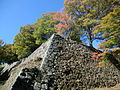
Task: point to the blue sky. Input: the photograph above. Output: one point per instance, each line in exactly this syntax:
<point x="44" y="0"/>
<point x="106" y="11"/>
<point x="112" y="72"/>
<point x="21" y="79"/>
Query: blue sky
<point x="17" y="13"/>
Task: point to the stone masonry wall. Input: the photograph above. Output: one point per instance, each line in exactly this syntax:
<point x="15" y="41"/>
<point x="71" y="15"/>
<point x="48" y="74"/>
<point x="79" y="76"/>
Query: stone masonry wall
<point x="32" y="61"/>
<point x="67" y="65"/>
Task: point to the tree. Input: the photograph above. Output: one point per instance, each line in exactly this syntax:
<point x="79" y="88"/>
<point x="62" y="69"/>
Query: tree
<point x="1" y="50"/>
<point x="1" y="42"/>
<point x="24" y="42"/>
<point x="44" y="28"/>
<point x="64" y="27"/>
<point x="6" y="53"/>
<point x="64" y="22"/>
<point x="86" y="14"/>
<point x="110" y="29"/>
<point x="32" y="36"/>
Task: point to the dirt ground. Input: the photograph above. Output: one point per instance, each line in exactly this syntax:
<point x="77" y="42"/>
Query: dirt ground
<point x="117" y="87"/>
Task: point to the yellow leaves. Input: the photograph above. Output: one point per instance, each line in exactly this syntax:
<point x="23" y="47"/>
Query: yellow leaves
<point x="89" y="15"/>
<point x="73" y="2"/>
<point x="110" y="29"/>
<point x="101" y="64"/>
<point x="82" y="7"/>
<point x="65" y="36"/>
<point x="83" y="1"/>
<point x="39" y="20"/>
<point x="93" y="11"/>
<point x="103" y="44"/>
<point x="96" y="29"/>
<point x="116" y="52"/>
<point x="87" y="21"/>
<point x="115" y="13"/>
<point x="59" y="32"/>
<point x="105" y="18"/>
<point x="115" y="49"/>
<point x="106" y="49"/>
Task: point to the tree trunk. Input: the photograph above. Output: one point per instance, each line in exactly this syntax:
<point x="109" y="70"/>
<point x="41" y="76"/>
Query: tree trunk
<point x="89" y="36"/>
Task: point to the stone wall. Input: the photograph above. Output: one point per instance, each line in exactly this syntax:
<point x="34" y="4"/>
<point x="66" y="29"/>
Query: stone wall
<point x="32" y="61"/>
<point x="69" y="65"/>
<point x="65" y="65"/>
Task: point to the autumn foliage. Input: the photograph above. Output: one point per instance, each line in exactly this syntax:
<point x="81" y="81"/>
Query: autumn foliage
<point x="84" y="21"/>
<point x="96" y="55"/>
<point x="64" y="21"/>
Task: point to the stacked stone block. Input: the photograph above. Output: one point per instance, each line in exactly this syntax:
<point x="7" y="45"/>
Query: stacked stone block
<point x="68" y="65"/>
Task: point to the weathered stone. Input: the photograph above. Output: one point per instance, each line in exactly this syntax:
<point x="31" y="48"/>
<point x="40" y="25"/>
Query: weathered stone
<point x="64" y="65"/>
